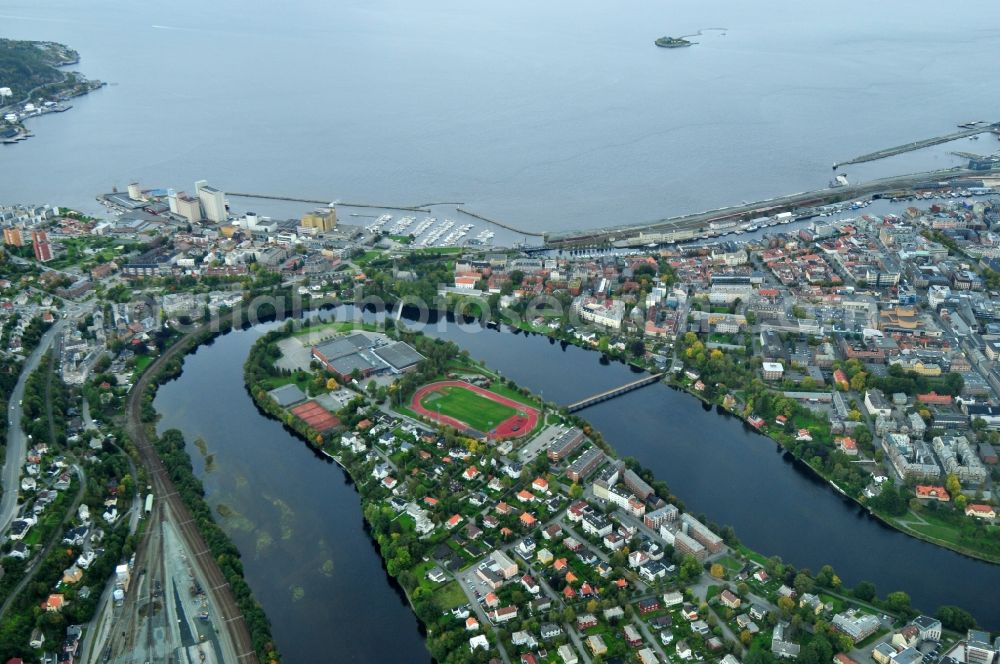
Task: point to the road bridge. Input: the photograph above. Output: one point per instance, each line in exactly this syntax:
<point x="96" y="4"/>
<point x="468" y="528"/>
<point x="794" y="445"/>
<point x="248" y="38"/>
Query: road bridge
<point x="614" y="392"/>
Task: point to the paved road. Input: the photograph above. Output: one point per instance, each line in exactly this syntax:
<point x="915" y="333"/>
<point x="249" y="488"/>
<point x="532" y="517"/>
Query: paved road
<point x="55" y="539"/>
<point x="17" y="440"/>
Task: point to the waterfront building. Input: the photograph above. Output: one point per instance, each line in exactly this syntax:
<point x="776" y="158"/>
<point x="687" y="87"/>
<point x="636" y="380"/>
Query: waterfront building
<point x="606" y="313"/>
<point x="187" y="207"/>
<point x="657" y="518"/>
<point x="701" y="533"/>
<point x="321" y="219"/>
<point x="978" y="649"/>
<point x="213" y="202"/>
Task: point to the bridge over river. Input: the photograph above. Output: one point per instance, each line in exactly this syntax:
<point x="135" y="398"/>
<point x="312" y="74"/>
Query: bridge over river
<point x="613" y="392"/>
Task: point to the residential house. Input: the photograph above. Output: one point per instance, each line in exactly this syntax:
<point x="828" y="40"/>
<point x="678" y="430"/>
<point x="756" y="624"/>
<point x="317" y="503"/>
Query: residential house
<point x="729" y="600"/>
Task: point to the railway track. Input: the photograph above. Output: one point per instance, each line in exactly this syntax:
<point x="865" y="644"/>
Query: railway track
<point x="217" y="588"/>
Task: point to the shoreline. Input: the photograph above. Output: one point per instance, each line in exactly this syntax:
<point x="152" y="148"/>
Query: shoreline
<point x="306" y="437"/>
<point x="884" y="520"/>
<point x="44" y="98"/>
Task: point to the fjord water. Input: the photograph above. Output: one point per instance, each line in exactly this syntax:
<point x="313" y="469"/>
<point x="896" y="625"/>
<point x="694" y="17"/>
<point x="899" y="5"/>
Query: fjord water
<point x="549" y="115"/>
<point x="298" y="523"/>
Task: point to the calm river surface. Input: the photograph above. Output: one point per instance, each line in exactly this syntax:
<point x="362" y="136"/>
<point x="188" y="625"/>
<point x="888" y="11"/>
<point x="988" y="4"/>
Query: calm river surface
<point x="315" y="571"/>
<point x="549" y="115"/>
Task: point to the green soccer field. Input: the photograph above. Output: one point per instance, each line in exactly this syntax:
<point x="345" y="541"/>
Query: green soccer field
<point x="478" y="412"/>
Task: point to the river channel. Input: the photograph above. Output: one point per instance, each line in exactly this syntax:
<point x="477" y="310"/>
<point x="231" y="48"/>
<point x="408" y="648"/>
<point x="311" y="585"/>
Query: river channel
<point x="297" y="520"/>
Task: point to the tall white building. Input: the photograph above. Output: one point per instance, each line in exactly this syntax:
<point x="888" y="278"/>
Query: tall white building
<point x="213" y="202"/>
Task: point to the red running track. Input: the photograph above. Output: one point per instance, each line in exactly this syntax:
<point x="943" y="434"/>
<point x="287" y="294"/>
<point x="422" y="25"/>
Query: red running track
<point x="524" y="424"/>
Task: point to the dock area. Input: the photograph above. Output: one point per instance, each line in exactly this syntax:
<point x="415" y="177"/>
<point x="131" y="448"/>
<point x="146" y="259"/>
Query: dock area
<point x="694" y="225"/>
<point x="979" y="128"/>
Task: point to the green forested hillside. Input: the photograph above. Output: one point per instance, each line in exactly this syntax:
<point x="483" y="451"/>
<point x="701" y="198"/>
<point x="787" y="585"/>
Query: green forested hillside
<point x="27" y="65"/>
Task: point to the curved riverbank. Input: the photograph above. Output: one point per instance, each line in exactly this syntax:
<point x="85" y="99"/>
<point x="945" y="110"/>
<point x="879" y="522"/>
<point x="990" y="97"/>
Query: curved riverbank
<point x="229" y="590"/>
<point x="711" y="462"/>
<point x="304" y="545"/>
<point x="718" y="465"/>
<point x="886" y="520"/>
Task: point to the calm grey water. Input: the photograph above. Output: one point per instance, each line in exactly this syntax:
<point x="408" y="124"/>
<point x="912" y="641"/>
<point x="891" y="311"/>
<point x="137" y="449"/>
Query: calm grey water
<point x="309" y="561"/>
<point x="551" y="115"/>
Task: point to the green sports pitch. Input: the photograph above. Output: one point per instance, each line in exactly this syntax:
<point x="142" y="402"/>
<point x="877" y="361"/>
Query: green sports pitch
<point x="478" y="412"/>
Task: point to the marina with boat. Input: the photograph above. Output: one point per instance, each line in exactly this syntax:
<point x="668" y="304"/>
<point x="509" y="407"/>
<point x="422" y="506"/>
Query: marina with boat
<point x="429" y="232"/>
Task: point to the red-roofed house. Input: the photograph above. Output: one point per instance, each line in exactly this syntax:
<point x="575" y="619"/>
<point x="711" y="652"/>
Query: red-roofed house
<point x="934" y="398"/>
<point x="847" y="445"/>
<point x="527" y="519"/>
<point x="980" y="511"/>
<point x="54" y="602"/>
<point x="525" y="496"/>
<point x="932" y="492"/>
<point x="453" y="521"/>
<point x="840" y="380"/>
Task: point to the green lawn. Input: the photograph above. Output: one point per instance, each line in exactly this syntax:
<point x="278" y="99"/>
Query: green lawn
<point x="142" y="361"/>
<point x="477" y="411"/>
<point x="449" y="596"/>
<point x="731" y="564"/>
<point x="511" y="393"/>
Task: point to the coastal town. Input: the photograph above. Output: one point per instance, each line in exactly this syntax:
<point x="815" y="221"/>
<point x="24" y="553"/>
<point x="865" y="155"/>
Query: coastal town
<point x="864" y="343"/>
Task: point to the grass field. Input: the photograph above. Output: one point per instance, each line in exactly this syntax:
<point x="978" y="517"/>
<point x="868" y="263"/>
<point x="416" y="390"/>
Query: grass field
<point x="142" y="361"/>
<point x="449" y="596"/>
<point x="477" y="411"/>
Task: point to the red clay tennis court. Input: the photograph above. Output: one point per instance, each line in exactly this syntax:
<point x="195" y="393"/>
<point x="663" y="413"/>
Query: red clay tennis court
<point x="316" y="416"/>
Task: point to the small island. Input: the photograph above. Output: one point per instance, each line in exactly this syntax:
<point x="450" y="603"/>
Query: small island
<point x="672" y="42"/>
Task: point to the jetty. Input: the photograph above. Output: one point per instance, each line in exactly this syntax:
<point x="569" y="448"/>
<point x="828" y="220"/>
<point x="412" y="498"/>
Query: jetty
<point x="519" y="231"/>
<point x="918" y="145"/>
<point x="692" y="226"/>
<point x="326" y="201"/>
